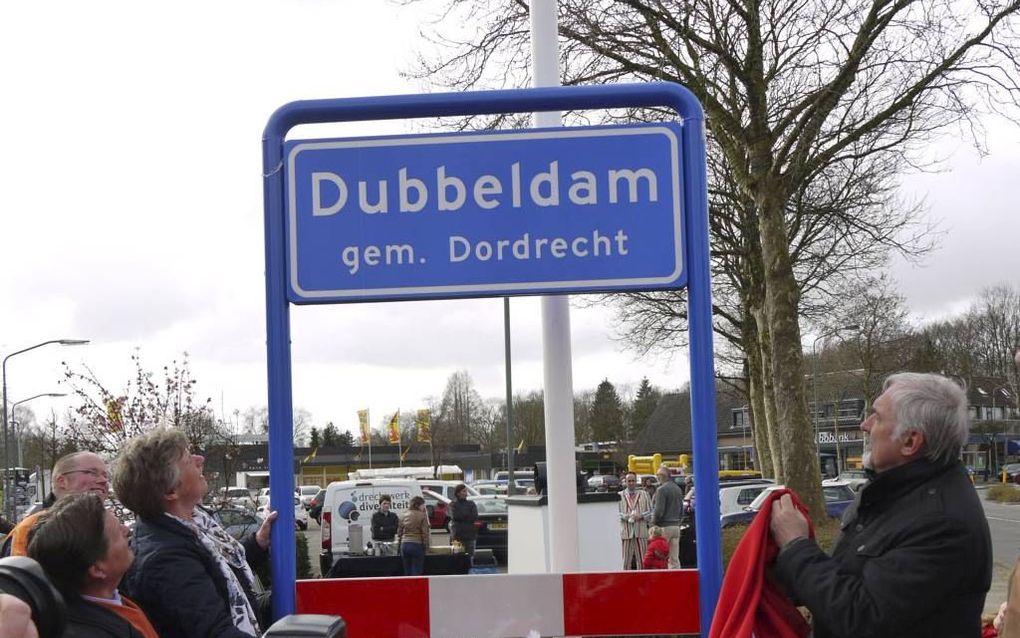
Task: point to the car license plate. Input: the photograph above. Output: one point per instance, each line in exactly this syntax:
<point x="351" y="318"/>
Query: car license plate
<point x="497" y="525"/>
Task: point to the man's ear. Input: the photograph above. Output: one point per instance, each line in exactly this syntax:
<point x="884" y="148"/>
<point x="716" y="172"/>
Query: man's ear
<point x="912" y="443"/>
<point x="97" y="570"/>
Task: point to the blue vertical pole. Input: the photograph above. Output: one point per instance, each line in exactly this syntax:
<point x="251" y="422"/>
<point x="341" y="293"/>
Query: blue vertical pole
<point x="283" y="560"/>
<point x="699" y="319"/>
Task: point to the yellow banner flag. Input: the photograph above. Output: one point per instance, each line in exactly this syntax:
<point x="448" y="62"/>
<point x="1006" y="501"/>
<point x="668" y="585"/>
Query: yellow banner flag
<point x="363" y="422"/>
<point x="424" y="424"/>
<point x="394" y="428"/>
<point x="114" y="417"/>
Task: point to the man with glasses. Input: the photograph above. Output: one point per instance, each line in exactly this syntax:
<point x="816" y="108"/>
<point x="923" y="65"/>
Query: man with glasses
<point x="75" y="473"/>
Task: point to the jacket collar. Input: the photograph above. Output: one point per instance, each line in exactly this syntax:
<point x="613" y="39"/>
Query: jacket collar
<point x="894" y="483"/>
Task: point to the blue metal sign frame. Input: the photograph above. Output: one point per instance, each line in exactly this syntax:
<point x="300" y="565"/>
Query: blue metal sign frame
<point x="490" y="213"/>
<point x="696" y="254"/>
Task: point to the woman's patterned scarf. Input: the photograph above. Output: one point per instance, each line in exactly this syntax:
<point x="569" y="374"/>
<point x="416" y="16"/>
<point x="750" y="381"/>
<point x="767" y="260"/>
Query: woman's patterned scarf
<point x="229" y="555"/>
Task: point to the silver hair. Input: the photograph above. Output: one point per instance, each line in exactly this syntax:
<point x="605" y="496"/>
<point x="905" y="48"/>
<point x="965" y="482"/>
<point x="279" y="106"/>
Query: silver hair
<point x="147" y="469"/>
<point x="933" y="405"/>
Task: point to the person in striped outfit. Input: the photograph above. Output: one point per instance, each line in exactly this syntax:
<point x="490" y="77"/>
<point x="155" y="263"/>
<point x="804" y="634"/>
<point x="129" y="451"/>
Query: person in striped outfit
<point x="635" y="509"/>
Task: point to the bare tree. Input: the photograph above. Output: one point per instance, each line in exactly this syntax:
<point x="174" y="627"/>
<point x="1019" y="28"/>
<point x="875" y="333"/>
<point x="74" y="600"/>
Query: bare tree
<point x="791" y="91"/>
<point x="104" y="420"/>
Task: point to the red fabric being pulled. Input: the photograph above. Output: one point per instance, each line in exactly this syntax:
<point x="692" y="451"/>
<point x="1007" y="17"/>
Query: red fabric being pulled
<point x="750" y="603"/>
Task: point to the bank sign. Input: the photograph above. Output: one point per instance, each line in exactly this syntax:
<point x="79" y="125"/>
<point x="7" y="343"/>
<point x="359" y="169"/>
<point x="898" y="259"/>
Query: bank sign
<point x="484" y="214"/>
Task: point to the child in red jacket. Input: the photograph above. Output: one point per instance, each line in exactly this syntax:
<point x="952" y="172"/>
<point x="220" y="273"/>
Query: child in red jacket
<point x="657" y="556"/>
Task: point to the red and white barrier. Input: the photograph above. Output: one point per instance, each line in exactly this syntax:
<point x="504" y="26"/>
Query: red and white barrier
<point x="498" y="606"/>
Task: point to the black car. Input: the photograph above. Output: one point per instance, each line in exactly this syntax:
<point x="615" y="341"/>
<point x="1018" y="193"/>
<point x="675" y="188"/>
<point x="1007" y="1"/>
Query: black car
<point x="315" y="505"/>
<point x="492" y="526"/>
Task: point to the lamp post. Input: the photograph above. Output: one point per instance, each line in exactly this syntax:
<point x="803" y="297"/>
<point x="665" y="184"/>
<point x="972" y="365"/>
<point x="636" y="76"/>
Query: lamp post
<point x="8" y="503"/>
<point x="814" y="378"/>
<point x="17" y="431"/>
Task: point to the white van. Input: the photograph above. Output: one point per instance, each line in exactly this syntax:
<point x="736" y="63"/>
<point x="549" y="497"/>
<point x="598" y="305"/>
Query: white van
<point x="354" y="502"/>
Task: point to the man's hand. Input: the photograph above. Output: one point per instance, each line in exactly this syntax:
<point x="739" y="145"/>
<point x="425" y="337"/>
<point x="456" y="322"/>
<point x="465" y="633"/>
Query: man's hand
<point x="262" y="536"/>
<point x="787" y="523"/>
<point x="16" y="618"/>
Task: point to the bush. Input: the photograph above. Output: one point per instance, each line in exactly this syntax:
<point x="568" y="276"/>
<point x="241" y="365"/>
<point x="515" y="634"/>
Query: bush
<point x="304" y="565"/>
<point x="1004" y="493"/>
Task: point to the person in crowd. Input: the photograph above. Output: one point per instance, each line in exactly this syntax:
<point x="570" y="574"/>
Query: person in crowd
<point x="657" y="555"/>
<point x="914" y="557"/>
<point x="384" y="522"/>
<point x="83" y="548"/>
<point x="667" y="508"/>
<point x="635" y="509"/>
<point x="648" y="486"/>
<point x="73" y="473"/>
<point x="16" y="618"/>
<point x="464" y="514"/>
<point x="189" y="575"/>
<point x="414" y="533"/>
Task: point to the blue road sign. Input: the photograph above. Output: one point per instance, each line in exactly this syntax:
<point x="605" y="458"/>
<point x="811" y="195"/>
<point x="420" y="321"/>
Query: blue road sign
<point x="493" y="213"/>
<point x="694" y="271"/>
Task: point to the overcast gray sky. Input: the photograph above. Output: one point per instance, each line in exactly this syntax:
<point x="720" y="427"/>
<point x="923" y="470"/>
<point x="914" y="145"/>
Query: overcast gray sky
<point x="132" y="211"/>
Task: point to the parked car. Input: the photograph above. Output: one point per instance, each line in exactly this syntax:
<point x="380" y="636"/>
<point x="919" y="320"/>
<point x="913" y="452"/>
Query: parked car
<point x="489" y="489"/>
<point x="493" y="527"/>
<point x="605" y="483"/>
<point x="300" y="513"/>
<point x="237" y="496"/>
<point x="306" y="493"/>
<point x="838" y="497"/>
<point x="445" y="488"/>
<point x="438" y="508"/>
<point x="237" y="521"/>
<point x="315" y="505"/>
<point x="735" y="496"/>
<point x="1012" y="472"/>
<point x="856" y="479"/>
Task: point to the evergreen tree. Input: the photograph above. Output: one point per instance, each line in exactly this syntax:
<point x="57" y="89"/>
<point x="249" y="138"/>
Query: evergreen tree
<point x="330" y="436"/>
<point x="607" y="413"/>
<point x="313" y="438"/>
<point x="346" y="440"/>
<point x="641" y="410"/>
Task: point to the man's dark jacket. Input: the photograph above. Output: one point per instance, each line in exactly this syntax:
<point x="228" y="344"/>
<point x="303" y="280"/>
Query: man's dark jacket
<point x="88" y="620"/>
<point x="464" y="513"/>
<point x="384" y="526"/>
<point x="178" y="584"/>
<point x="913" y="560"/>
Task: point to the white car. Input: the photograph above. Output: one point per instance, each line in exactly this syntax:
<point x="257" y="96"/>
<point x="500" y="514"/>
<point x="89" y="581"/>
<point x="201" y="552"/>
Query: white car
<point x="734" y="498"/>
<point x="307" y="493"/>
<point x="300" y="513"/>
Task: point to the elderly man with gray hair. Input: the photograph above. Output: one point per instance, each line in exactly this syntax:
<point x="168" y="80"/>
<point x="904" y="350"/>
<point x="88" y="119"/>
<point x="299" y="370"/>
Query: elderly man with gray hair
<point x="667" y="508"/>
<point x="914" y="555"/>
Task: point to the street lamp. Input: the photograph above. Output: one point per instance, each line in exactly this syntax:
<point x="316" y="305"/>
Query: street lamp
<point x="3" y="412"/>
<point x="17" y="432"/>
<point x="814" y="379"/>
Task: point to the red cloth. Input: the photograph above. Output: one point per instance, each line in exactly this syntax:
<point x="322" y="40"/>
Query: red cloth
<point x="657" y="556"/>
<point x="750" y="602"/>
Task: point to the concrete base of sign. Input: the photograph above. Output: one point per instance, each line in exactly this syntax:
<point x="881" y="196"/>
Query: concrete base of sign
<point x="598" y="542"/>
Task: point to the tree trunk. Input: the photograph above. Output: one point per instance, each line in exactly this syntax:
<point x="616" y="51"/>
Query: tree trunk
<point x="782" y="297"/>
<point x="768" y="396"/>
<point x="756" y="397"/>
